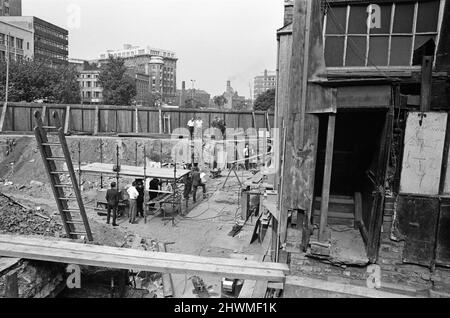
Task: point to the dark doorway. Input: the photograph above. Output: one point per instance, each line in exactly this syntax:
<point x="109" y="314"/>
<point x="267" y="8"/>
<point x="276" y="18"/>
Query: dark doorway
<point x="356" y="145"/>
<point x="360" y="155"/>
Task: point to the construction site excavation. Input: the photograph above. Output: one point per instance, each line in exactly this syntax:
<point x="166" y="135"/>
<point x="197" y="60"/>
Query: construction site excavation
<point x="328" y="178"/>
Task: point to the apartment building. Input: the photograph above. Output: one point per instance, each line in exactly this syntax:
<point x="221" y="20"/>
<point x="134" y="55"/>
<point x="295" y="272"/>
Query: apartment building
<point x="160" y="65"/>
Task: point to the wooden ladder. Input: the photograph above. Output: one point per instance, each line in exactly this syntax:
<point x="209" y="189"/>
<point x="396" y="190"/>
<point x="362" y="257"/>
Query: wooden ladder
<point x="75" y="220"/>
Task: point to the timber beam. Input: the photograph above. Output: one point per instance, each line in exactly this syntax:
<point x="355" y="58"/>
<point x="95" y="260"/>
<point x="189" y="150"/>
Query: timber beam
<point x="122" y="258"/>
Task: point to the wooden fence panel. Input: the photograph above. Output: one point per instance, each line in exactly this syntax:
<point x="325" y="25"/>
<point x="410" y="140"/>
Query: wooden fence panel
<point x="143" y="121"/>
<point x="21" y="119"/>
<point x="175" y="121"/>
<point x="232" y="120"/>
<point x="88" y="120"/>
<point x="260" y="121"/>
<point x="76" y="120"/>
<point x="245" y="121"/>
<point x="125" y="121"/>
<point x="153" y="122"/>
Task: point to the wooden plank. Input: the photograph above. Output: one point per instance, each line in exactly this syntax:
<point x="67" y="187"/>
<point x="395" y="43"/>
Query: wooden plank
<point x="136" y="121"/>
<point x="166" y="278"/>
<point x="418" y="221"/>
<point x="133" y="171"/>
<point x="260" y="290"/>
<point x="12" y="286"/>
<point x="247" y="289"/>
<point x="67" y="120"/>
<point x="149" y="264"/>
<point x="100" y="250"/>
<point x="358" y="210"/>
<point x="323" y="285"/>
<point x="96" y="120"/>
<point x="378" y="96"/>
<point x="7" y="262"/>
<point x="44" y="113"/>
<point x="251" y="288"/>
<point x="327" y="177"/>
<point x="423" y="153"/>
<point x="427" y="73"/>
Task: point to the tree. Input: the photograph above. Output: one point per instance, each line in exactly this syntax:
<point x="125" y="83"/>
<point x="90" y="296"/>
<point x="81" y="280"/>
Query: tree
<point x="193" y="103"/>
<point x="34" y="80"/>
<point x="118" y="87"/>
<point x="266" y="101"/>
<point x="220" y="101"/>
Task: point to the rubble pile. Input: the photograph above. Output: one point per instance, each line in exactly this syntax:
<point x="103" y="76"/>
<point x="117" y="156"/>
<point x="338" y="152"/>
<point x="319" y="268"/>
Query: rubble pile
<point x="16" y="219"/>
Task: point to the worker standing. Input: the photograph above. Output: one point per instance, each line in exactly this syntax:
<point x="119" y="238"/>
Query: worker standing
<point x="112" y="197"/>
<point x="191" y="126"/>
<point x="153" y="187"/>
<point x="140" y="199"/>
<point x="197" y="182"/>
<point x="134" y="194"/>
<point x="187" y="188"/>
<point x="247" y="156"/>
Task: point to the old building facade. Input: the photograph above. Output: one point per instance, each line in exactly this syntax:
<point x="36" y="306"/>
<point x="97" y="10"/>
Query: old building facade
<point x="18" y="41"/>
<point x="263" y="83"/>
<point x="50" y="42"/>
<point x="160" y="65"/>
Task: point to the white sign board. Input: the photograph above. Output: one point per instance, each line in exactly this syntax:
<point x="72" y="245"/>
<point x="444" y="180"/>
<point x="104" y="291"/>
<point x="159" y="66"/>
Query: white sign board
<point x="423" y="153"/>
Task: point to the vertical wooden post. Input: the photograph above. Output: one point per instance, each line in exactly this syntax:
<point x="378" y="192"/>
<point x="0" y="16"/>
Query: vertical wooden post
<point x="327" y="178"/>
<point x="160" y="122"/>
<point x="96" y="120"/>
<point x="427" y="76"/>
<point x="136" y="121"/>
<point x="67" y="120"/>
<point x="12" y="286"/>
<point x="44" y="114"/>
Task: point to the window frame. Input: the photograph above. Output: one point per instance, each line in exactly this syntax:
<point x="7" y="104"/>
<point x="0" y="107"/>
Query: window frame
<point x="367" y="64"/>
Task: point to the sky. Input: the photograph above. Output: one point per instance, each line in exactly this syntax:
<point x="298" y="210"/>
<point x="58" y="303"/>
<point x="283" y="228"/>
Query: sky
<point x="215" y="40"/>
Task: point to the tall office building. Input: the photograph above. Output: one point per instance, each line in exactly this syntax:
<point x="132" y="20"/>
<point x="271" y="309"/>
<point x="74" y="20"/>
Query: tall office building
<point x="50" y="42"/>
<point x="160" y="65"/>
<point x="264" y="82"/>
<point x="10" y="8"/>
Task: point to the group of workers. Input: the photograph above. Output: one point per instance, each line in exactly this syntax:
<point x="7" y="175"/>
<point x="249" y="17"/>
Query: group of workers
<point x="191" y="185"/>
<point x="136" y="196"/>
<point x="195" y="124"/>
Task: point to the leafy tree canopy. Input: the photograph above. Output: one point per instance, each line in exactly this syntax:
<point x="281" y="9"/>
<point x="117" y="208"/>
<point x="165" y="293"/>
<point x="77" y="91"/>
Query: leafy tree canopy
<point x="118" y="87"/>
<point x="31" y="81"/>
<point x="266" y="101"/>
<point x="220" y="101"/>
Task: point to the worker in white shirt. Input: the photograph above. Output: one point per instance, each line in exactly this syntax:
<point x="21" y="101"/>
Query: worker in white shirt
<point x="133" y="194"/>
<point x="191" y="125"/>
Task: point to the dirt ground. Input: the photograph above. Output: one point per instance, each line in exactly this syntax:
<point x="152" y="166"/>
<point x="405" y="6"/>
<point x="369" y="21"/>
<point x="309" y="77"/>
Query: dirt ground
<point x="203" y="231"/>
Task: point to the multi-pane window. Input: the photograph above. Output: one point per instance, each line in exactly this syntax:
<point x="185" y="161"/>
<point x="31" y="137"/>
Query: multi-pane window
<point x="394" y="35"/>
<point x="19" y="44"/>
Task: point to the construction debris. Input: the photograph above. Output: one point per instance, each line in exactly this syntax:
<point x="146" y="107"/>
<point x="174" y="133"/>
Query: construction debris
<point x="16" y="219"/>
